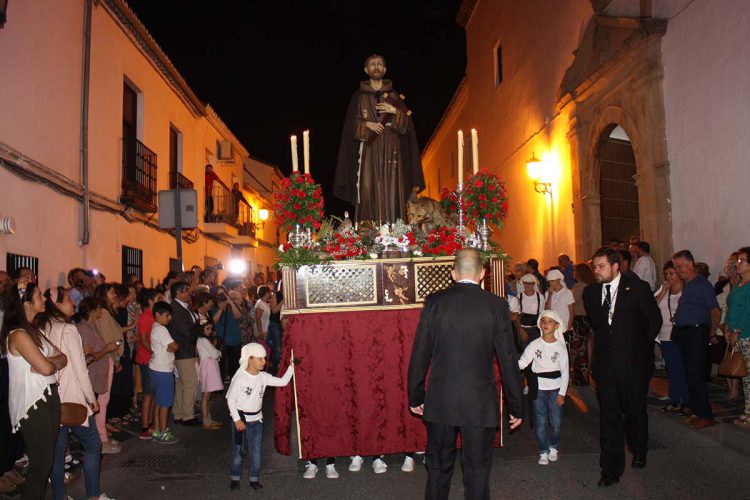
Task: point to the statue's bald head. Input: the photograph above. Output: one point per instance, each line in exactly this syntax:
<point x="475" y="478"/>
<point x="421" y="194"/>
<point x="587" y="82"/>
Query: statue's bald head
<point x="468" y="265"/>
<point x="375" y="56"/>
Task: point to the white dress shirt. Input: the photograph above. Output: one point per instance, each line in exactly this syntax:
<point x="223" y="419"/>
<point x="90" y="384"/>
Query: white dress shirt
<point x="645" y="268"/>
<point x="614" y="285"/>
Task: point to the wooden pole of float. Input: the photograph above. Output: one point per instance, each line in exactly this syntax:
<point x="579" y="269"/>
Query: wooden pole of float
<point x="296" y="408"/>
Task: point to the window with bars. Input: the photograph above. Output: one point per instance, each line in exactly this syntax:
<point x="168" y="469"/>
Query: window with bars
<point x="132" y="263"/>
<point x="15" y="262"/>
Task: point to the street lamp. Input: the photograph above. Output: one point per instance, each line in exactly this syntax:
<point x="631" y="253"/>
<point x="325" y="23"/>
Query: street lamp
<point x="537" y="171"/>
<point x="263" y="216"/>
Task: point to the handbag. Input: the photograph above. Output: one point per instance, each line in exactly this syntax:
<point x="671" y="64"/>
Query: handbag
<point x="733" y="364"/>
<point x="72" y="414"/>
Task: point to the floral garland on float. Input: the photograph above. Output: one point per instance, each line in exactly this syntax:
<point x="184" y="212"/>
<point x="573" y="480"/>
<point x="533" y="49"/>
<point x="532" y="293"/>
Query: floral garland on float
<point x="485" y="200"/>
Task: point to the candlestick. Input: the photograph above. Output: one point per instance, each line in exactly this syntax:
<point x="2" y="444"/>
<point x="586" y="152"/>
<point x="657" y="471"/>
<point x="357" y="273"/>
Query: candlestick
<point x="295" y="166"/>
<point x="474" y="150"/>
<point x="306" y="150"/>
<point x="460" y="157"/>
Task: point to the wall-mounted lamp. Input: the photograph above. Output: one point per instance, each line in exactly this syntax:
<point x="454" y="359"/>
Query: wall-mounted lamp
<point x="263" y="216"/>
<point x="536" y="170"/>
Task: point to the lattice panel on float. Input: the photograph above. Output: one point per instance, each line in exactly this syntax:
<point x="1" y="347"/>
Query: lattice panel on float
<point x="432" y="277"/>
<point x="341" y="286"/>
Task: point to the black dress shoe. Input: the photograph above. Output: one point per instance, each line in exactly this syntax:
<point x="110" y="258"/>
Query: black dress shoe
<point x="191" y="422"/>
<point x="234" y="485"/>
<point x="255" y="485"/>
<point x="639" y="463"/>
<point x="607" y="481"/>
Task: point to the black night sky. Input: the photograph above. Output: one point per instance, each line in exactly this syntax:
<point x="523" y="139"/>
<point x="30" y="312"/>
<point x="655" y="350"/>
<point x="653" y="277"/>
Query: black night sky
<point x="277" y="67"/>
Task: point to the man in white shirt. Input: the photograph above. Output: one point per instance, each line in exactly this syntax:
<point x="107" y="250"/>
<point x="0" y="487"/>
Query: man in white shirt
<point x="645" y="267"/>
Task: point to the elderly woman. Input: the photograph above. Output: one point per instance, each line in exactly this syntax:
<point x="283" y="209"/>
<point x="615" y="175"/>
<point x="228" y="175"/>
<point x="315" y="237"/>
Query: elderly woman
<point x="737" y="326"/>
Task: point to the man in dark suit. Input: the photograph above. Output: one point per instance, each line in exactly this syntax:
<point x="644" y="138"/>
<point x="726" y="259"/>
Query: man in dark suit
<point x="184" y="330"/>
<point x="626" y="320"/>
<point x="460" y="330"/>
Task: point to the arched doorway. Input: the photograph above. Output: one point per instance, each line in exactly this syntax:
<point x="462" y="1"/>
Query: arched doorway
<point x="617" y="187"/>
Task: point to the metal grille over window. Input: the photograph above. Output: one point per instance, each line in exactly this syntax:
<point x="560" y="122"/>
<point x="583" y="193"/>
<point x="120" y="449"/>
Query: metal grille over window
<point x="132" y="262"/>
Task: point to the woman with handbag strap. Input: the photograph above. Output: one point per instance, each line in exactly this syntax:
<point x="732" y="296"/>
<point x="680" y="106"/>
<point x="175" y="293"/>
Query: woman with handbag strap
<point x="33" y="402"/>
<point x="77" y="396"/>
<point x="737" y="325"/>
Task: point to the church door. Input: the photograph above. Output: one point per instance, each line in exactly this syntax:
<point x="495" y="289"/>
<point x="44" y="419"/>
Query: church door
<point x="617" y="187"/>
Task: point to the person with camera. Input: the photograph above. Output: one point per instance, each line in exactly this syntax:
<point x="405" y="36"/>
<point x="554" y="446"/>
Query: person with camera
<point x="229" y="310"/>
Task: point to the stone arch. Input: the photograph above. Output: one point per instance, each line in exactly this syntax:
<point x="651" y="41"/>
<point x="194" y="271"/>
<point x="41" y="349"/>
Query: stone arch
<point x="619" y="85"/>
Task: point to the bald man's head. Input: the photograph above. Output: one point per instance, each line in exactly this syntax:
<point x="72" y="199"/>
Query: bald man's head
<point x="468" y="266"/>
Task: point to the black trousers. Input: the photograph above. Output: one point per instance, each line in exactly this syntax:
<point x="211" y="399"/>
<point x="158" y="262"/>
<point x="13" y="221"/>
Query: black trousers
<point x="9" y="442"/>
<point x="476" y="460"/>
<point x="622" y="415"/>
<point x="230" y="360"/>
<point x="692" y="342"/>
<point x="39" y="433"/>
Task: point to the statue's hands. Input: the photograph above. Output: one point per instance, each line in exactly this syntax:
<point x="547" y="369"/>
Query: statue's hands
<point x="375" y="126"/>
<point x="385" y="107"/>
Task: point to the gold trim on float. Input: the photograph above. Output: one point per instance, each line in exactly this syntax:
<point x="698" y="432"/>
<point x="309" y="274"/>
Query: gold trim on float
<point x="319" y="305"/>
<point x="290" y="312"/>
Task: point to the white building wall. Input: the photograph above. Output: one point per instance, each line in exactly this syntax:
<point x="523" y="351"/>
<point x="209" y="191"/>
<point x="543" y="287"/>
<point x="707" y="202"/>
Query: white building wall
<point x="706" y="82"/>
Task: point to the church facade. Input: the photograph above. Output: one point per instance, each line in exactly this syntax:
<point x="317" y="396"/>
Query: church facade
<point x="636" y="109"/>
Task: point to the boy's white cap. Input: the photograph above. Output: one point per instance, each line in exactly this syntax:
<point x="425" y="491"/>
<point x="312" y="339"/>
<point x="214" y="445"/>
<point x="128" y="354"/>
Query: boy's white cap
<point x="529" y="278"/>
<point x="549" y="313"/>
<point x="254" y="350"/>
<point x="554" y="274"/>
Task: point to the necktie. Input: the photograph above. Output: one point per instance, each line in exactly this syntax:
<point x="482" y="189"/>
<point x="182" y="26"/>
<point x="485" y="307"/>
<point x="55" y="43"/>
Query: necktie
<point x="607" y="299"/>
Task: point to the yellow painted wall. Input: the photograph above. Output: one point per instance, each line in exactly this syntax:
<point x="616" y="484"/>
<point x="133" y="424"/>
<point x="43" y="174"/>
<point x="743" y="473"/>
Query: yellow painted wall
<point x="517" y="118"/>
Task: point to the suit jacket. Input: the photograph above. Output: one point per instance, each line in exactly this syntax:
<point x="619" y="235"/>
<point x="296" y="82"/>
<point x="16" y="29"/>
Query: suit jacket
<point x="184" y="331"/>
<point x="624" y="349"/>
<point x="460" y="331"/>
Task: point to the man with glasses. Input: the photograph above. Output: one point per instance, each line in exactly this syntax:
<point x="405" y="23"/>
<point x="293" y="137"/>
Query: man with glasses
<point x="698" y="313"/>
<point x="626" y="320"/>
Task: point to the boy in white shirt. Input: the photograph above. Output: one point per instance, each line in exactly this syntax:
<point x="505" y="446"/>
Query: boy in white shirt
<point x="161" y="370"/>
<point x="560" y="299"/>
<point x="548" y="357"/>
<point x="245" y="401"/>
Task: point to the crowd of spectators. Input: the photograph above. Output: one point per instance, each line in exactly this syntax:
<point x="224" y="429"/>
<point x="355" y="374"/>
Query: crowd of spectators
<point x="88" y="346"/>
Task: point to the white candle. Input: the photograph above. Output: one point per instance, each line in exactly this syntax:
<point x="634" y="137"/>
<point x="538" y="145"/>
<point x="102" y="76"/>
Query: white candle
<point x="460" y="157"/>
<point x="306" y="150"/>
<point x="295" y="166"/>
<point x="474" y="150"/>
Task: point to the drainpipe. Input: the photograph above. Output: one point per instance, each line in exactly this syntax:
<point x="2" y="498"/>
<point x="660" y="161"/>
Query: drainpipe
<point x="87" y="10"/>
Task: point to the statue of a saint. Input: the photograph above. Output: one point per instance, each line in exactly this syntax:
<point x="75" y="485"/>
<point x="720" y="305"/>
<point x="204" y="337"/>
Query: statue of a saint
<point x="378" y="165"/>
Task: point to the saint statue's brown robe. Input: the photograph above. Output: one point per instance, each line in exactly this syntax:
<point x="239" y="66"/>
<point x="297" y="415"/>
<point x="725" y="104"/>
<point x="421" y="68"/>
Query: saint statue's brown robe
<point x="376" y="172"/>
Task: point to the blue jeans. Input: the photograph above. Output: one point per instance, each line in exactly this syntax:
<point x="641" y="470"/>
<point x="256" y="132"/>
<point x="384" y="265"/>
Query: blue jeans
<point x="92" y="448"/>
<point x="274" y="341"/>
<point x="548" y="415"/>
<point x="253" y="437"/>
<point x="678" y="391"/>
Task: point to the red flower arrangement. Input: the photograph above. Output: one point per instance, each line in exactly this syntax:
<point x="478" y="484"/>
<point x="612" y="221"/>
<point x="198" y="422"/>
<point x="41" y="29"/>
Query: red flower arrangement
<point x="486" y="197"/>
<point x="346" y="245"/>
<point x="449" y="201"/>
<point x="300" y="201"/>
<point x="443" y="241"/>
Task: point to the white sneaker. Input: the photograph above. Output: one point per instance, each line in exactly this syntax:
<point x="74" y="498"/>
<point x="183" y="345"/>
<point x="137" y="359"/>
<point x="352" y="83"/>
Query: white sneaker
<point x="104" y="496"/>
<point x="379" y="466"/>
<point x="553" y="455"/>
<point x="356" y="464"/>
<point x="408" y="465"/>
<point x="331" y="472"/>
<point x="543" y="459"/>
<point x="311" y="472"/>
